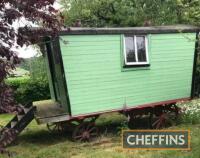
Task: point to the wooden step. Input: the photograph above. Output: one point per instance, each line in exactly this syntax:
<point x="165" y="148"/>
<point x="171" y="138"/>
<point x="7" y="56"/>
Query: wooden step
<point x="26" y="110"/>
<point x="9" y="133"/>
<point x="13" y="123"/>
<point x="19" y="117"/>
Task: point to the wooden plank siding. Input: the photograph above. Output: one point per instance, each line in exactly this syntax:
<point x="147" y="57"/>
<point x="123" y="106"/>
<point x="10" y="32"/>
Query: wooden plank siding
<point x="97" y="81"/>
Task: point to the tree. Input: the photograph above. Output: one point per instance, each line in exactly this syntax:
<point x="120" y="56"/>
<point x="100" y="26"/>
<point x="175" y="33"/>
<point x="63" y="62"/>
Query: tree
<point x="40" y="12"/>
<point x="188" y="11"/>
<point x="119" y="13"/>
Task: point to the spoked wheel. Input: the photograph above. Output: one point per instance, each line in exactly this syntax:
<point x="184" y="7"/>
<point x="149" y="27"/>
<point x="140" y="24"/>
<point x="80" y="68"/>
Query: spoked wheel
<point x="166" y="118"/>
<point x="55" y="127"/>
<point x="85" y="131"/>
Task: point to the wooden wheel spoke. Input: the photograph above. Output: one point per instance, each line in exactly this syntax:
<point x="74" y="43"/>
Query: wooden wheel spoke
<point x="157" y="121"/>
<point x="56" y="127"/>
<point x="77" y="137"/>
<point x="91" y="129"/>
<point x="81" y="139"/>
<point x="85" y="131"/>
<point x="167" y="118"/>
<point x="159" y="124"/>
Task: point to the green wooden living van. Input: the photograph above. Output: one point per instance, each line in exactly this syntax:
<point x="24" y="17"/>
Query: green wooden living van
<point x="97" y="70"/>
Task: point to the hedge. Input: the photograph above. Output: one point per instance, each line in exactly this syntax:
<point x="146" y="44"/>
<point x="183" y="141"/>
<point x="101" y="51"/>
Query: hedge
<point x="27" y="90"/>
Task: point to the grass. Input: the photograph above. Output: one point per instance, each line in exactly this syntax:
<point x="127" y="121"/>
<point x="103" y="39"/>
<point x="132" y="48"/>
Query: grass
<point x="36" y="142"/>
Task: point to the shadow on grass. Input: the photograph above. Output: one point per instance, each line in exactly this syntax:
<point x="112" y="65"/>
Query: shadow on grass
<point x="42" y="137"/>
<point x="108" y="125"/>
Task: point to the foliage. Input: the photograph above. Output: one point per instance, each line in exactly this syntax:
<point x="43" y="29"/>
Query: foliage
<point x="36" y="11"/>
<point x="188" y="11"/>
<point x="34" y="90"/>
<point x="99" y="13"/>
<point x="16" y="82"/>
<point x="27" y="90"/>
<point x="34" y="87"/>
<point x="190" y="112"/>
<point x="18" y="72"/>
<point x="25" y="64"/>
<point x="37" y="67"/>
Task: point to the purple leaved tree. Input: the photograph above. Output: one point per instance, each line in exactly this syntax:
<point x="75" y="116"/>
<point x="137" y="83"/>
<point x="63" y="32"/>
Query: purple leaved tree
<point x="40" y="12"/>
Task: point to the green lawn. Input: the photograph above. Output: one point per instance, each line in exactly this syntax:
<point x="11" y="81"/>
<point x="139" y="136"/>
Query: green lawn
<point x="37" y="142"/>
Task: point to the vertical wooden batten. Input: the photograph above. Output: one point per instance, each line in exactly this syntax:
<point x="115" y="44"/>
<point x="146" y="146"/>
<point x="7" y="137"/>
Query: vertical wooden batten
<point x="64" y="87"/>
<point x="195" y="66"/>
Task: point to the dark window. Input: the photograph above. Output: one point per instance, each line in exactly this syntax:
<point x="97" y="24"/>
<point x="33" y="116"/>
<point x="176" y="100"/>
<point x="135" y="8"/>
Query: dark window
<point x="136" y="50"/>
<point x="130" y="49"/>
<point x="141" y="49"/>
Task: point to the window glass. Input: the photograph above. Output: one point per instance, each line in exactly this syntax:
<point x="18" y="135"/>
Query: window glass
<point x="141" y="50"/>
<point x="135" y="52"/>
<point x="130" y="49"/>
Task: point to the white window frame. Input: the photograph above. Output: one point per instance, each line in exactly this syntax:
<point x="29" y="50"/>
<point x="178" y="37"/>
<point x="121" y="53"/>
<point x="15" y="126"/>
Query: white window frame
<point x="136" y="51"/>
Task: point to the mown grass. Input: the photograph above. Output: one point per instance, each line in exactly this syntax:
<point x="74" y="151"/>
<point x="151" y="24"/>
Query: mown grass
<point x="36" y="142"/>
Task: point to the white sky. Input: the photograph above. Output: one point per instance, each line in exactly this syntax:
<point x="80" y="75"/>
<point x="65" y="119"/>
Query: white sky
<point x="27" y="52"/>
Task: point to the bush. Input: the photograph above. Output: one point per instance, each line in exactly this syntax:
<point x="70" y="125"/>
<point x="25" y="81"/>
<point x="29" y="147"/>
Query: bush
<point x="28" y="89"/>
<point x="34" y="87"/>
<point x="16" y="82"/>
<point x="190" y="112"/>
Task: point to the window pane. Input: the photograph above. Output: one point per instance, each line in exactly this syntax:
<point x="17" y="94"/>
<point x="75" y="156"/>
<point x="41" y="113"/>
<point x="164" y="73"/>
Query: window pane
<point x="130" y="49"/>
<point x="141" y="50"/>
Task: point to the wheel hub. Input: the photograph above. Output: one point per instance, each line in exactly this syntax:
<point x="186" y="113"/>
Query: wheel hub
<point x="86" y="135"/>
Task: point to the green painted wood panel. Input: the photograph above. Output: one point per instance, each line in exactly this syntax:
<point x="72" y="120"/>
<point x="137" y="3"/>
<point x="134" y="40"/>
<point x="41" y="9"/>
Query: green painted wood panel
<point x="49" y="76"/>
<point x="97" y="82"/>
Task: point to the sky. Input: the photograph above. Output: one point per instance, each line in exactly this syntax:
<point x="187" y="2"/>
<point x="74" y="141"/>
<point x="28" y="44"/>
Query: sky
<point x="27" y="52"/>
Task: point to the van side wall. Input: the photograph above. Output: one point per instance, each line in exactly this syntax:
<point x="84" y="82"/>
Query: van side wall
<point x="97" y="82"/>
